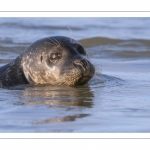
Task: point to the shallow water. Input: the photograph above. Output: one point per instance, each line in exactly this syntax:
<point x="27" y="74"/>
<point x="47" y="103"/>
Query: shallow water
<point x="117" y="99"/>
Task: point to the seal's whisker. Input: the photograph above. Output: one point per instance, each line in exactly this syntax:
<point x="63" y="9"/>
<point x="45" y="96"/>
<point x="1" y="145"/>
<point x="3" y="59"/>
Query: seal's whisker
<point x="71" y="34"/>
<point x="57" y="42"/>
<point x="87" y="54"/>
<point x="97" y="69"/>
<point x="53" y="42"/>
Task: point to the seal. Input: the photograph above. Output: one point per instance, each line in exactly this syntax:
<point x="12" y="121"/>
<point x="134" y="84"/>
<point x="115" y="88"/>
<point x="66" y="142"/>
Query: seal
<point x="54" y="60"/>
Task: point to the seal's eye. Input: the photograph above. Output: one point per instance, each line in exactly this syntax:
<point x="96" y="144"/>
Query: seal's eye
<point x="55" y="57"/>
<point x="81" y="50"/>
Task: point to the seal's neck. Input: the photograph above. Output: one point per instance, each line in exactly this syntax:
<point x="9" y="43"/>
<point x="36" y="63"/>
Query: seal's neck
<point x="12" y="74"/>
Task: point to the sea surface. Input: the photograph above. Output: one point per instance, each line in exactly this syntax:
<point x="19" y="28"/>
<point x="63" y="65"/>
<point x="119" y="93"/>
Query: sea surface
<point x="117" y="99"/>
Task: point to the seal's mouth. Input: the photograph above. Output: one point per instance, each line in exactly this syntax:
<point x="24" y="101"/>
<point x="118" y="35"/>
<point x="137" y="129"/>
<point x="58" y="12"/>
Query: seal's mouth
<point x="79" y="74"/>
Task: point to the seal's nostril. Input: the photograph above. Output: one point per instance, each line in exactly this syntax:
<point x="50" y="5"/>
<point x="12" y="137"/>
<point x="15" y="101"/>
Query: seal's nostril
<point x="77" y="62"/>
<point x="81" y="63"/>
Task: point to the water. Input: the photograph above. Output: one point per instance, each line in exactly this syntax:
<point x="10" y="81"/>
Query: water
<point x="116" y="100"/>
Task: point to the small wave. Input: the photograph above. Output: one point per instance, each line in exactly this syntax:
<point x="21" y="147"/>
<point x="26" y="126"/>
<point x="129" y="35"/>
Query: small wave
<point x="117" y="48"/>
<point x="102" y="80"/>
<point x="96" y="41"/>
<point x="36" y="26"/>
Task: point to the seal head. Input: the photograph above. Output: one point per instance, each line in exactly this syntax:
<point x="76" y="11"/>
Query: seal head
<point x="56" y="60"/>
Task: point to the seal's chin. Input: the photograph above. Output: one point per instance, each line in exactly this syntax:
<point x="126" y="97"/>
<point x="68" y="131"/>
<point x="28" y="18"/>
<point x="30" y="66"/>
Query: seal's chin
<point x="83" y="80"/>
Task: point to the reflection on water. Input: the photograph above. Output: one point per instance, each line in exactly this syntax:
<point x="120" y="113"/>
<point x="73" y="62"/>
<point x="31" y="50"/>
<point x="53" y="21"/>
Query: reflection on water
<point x="65" y="97"/>
<point x="49" y="95"/>
<point x="63" y="119"/>
<point x="70" y="98"/>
